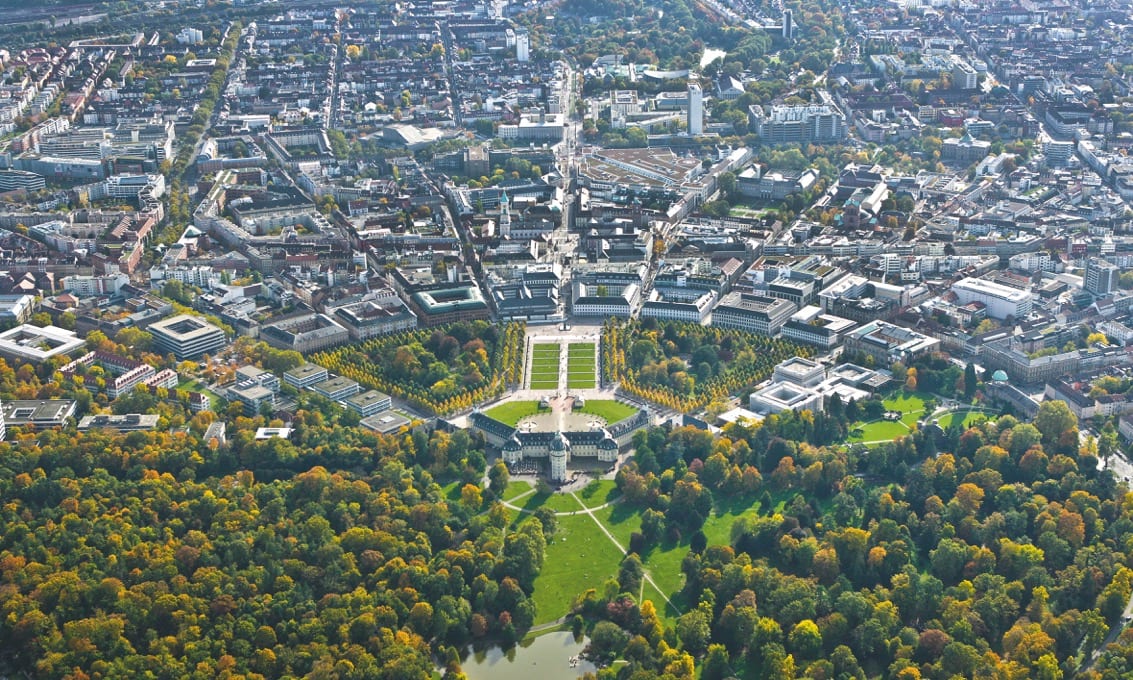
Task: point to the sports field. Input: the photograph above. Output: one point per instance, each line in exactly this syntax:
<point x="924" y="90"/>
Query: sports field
<point x="544" y="369"/>
<point x="581" y="363"/>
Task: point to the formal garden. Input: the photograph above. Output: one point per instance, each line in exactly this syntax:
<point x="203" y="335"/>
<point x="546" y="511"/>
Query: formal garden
<point x="581" y="365"/>
<point x="544" y="368"/>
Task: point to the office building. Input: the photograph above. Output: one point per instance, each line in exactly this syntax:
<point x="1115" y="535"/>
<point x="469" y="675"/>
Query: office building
<point x="368" y="403"/>
<point x="32" y="343"/>
<point x="1001" y="301"/>
<point x="336" y="388"/>
<point x="1101" y="277"/>
<point x="810" y="326"/>
<point x="186" y="337"/>
<point x="695" y="109"/>
<point x="130" y="422"/>
<point x="305" y="376"/>
<point x="802" y="124"/>
<point x="756" y="313"/>
<point x="886" y="343"/>
<point x="38" y="412"/>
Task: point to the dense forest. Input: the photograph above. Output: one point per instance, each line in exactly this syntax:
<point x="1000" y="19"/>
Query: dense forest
<point x="1005" y="557"/>
<point x="153" y="554"/>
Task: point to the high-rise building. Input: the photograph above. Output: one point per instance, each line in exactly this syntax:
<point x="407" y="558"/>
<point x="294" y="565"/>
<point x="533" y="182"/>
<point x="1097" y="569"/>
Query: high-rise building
<point x="788" y="25"/>
<point x="522" y="46"/>
<point x="505" y="216"/>
<point x="695" y="109"/>
<point x="1101" y="276"/>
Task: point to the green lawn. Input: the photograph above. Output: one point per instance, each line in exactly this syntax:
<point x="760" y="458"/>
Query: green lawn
<point x="578" y="557"/>
<point x="194" y="385"/>
<point x="664" y="561"/>
<point x="451" y="491"/>
<point x="514" y="411"/>
<point x="612" y="411"/>
<point x="544" y="366"/>
<point x="598" y="492"/>
<point x="621" y="520"/>
<point x="515" y="489"/>
<point x="910" y="404"/>
<point x="581" y="383"/>
<point x="581" y="348"/>
<point x="969" y="418"/>
<point x="556" y="502"/>
<point x="877" y="431"/>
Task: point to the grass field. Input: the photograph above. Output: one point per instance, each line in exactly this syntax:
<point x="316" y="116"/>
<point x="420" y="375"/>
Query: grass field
<point x="544" y="368"/>
<point x="598" y="492"/>
<point x="580" y="366"/>
<point x="664" y="561"/>
<point x="878" y="430"/>
<point x="608" y="409"/>
<point x="621" y="520"/>
<point x="194" y="385"/>
<point x="911" y="406"/>
<point x="515" y="489"/>
<point x="578" y="557"/>
<point x="514" y="411"/>
<point x="555" y="502"/>
<point x="969" y="418"/>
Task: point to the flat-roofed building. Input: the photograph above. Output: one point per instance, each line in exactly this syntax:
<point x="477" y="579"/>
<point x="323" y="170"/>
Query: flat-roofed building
<point x="32" y="343"/>
<point x="386" y="422"/>
<point x="252" y="396"/>
<point x="336" y="388"/>
<point x="38" y="412"/>
<point x="187" y="337"/>
<point x="756" y="313"/>
<point x="448" y="304"/>
<point x="305" y="376"/>
<point x="305" y="333"/>
<point x="800" y="371"/>
<point x="785" y="396"/>
<point x="369" y="403"/>
<point x="372" y="318"/>
<point x="888" y="343"/>
<point x="811" y="327"/>
<point x="1000" y="301"/>
<point x="129" y="422"/>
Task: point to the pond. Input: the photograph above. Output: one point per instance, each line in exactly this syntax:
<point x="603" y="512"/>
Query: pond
<point x="546" y="658"/>
<point x="711" y="55"/>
